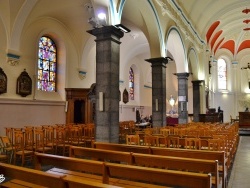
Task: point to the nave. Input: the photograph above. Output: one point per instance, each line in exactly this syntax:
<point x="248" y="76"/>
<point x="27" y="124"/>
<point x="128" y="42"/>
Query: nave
<point x="142" y="158"/>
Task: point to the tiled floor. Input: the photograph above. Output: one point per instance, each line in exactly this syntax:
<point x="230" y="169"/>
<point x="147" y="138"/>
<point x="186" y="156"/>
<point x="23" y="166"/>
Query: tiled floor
<point x="240" y="175"/>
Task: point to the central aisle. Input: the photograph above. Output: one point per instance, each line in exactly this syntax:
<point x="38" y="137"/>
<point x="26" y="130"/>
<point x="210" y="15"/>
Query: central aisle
<point x="239" y="177"/>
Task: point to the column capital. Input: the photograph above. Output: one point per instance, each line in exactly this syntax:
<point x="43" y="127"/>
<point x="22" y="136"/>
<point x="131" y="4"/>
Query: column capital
<point x="106" y="32"/>
<point x="182" y="75"/>
<point x="158" y="61"/>
<point x="198" y="82"/>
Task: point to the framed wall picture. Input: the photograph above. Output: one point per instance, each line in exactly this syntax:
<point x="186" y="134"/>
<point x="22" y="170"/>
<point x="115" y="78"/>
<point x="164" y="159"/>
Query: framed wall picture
<point x="125" y="96"/>
<point x="3" y="82"/>
<point x="24" y="84"/>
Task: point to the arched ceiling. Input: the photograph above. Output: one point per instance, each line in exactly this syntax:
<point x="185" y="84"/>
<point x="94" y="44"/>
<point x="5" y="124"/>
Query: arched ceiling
<point x="223" y="24"/>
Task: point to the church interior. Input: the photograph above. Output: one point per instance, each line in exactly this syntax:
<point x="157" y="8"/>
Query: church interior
<point x="82" y="78"/>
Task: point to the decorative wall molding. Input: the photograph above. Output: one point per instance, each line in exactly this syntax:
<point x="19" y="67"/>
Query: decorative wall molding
<point x="172" y="9"/>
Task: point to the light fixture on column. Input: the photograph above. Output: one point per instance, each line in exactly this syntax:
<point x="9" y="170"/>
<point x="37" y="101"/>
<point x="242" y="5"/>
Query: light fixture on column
<point x="172" y="102"/>
<point x="156" y="105"/>
<point x="101" y="102"/>
<point x="122" y="28"/>
<point x="102" y="19"/>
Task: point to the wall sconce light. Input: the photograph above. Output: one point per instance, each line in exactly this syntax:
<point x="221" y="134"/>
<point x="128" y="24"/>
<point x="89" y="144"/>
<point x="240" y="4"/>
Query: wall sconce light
<point x="122" y="28"/>
<point x="156" y="105"/>
<point x="171" y="101"/>
<point x="102" y="19"/>
<point x="101" y="102"/>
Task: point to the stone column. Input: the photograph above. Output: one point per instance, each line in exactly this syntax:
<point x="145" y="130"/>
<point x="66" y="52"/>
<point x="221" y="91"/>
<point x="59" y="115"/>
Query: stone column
<point x="107" y="83"/>
<point x="158" y="90"/>
<point x="196" y="99"/>
<point x="182" y="97"/>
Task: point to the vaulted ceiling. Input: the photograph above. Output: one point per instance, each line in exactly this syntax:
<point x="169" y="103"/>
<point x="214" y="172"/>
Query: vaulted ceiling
<point x="223" y="24"/>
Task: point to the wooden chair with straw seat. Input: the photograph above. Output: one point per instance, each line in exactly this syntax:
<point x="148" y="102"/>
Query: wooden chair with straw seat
<point x="40" y="142"/>
<point x="61" y="147"/>
<point x="88" y="134"/>
<point x="3" y="156"/>
<point x="7" y="147"/>
<point x="150" y="140"/>
<point x="29" y="138"/>
<point x="75" y="136"/>
<point x="133" y="139"/>
<point x="173" y="141"/>
<point x="20" y="151"/>
<point x="50" y="137"/>
<point x="192" y="143"/>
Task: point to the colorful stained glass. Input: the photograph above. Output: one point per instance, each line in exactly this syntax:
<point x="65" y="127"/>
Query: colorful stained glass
<point x="131" y="83"/>
<point x="222" y="74"/>
<point x="47" y="64"/>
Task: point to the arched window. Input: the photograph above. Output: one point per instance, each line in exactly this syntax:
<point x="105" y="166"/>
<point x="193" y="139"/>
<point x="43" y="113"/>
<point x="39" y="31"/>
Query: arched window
<point x="47" y="64"/>
<point x="222" y="74"/>
<point x="131" y="84"/>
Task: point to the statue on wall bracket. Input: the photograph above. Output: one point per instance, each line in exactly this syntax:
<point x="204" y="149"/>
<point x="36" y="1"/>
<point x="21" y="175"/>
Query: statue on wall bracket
<point x="24" y="84"/>
<point x="3" y="82"/>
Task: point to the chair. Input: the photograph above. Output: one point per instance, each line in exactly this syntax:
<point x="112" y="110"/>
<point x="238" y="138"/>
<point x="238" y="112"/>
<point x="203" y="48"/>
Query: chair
<point x="192" y="143"/>
<point x="20" y="151"/>
<point x="40" y="142"/>
<point x="7" y="148"/>
<point x="29" y="138"/>
<point x="75" y="136"/>
<point x="150" y="140"/>
<point x="61" y="147"/>
<point x="88" y="134"/>
<point x="49" y="137"/>
<point x="165" y="131"/>
<point x="173" y="141"/>
<point x="133" y="139"/>
<point x="3" y="156"/>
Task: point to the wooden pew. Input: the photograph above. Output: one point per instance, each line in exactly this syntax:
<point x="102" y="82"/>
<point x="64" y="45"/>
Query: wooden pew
<point x="128" y="173"/>
<point x="181" y="164"/>
<point x="196" y="154"/>
<point x="121" y="147"/>
<point x="69" y="163"/>
<point x="25" y="176"/>
<point x="115" y="174"/>
<point x="148" y="160"/>
<point x="100" y="154"/>
<point x="186" y="153"/>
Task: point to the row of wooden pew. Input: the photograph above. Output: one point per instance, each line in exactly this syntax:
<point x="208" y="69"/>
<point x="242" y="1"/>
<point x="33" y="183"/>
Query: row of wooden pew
<point x="20" y="177"/>
<point x="128" y="171"/>
<point x="122" y="175"/>
<point x="220" y="156"/>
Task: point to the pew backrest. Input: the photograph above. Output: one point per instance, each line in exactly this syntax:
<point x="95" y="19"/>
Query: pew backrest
<point x="68" y="163"/>
<point x="100" y="154"/>
<point x="157" y="176"/>
<point x="121" y="147"/>
<point x="33" y="176"/>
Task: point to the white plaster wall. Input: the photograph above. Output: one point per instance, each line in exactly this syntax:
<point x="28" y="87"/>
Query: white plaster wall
<point x="19" y="113"/>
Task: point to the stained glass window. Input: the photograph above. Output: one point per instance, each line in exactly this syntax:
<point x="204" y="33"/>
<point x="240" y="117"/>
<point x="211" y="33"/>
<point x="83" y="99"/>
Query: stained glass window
<point x="47" y="64"/>
<point x="222" y="74"/>
<point x="131" y="84"/>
